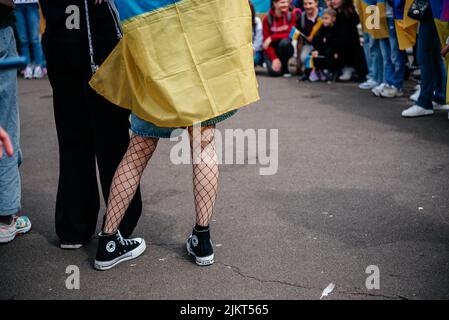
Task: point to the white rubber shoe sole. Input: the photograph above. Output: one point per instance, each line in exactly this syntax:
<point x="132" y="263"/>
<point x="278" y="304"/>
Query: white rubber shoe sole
<point x="201" y="261"/>
<point x="106" y="265"/>
<point x="11" y="236"/>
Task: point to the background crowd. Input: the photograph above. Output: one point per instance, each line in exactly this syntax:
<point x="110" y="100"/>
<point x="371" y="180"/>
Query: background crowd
<point x="335" y="40"/>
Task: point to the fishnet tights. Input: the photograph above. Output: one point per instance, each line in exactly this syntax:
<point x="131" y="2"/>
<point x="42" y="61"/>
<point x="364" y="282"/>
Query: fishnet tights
<point x="127" y="180"/>
<point x="129" y="173"/>
<point x="205" y="173"/>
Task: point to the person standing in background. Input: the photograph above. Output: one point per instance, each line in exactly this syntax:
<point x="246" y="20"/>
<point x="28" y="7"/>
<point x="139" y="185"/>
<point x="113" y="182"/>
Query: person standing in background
<point x="11" y="224"/>
<point x="28" y="33"/>
<point x="433" y="71"/>
<point x="91" y="131"/>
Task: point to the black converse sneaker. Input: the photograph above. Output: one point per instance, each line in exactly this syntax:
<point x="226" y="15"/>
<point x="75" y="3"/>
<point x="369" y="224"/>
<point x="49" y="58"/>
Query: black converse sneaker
<point x="114" y="249"/>
<point x="200" y="246"/>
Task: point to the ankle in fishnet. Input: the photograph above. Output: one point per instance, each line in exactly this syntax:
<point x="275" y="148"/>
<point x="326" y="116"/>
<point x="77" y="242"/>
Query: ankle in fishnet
<point x="127" y="179"/>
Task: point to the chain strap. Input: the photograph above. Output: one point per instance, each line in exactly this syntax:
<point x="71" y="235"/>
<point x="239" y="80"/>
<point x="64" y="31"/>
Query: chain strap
<point x="94" y="67"/>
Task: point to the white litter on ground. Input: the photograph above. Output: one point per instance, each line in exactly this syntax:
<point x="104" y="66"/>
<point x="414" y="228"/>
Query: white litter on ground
<point x="328" y="290"/>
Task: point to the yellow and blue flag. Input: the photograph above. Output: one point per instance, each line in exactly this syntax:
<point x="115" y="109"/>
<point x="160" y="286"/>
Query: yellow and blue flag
<point x="440" y="11"/>
<point x="406" y="27"/>
<point x="181" y="61"/>
<point x="380" y="31"/>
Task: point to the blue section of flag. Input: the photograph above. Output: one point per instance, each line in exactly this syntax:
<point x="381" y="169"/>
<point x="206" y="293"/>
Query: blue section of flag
<point x="261" y="6"/>
<point x="131" y="8"/>
<point x="398" y="9"/>
<point x="440" y="9"/>
<point x="373" y="2"/>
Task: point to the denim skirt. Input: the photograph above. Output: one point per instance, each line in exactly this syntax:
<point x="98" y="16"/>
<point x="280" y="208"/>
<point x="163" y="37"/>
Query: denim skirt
<point x="146" y="129"/>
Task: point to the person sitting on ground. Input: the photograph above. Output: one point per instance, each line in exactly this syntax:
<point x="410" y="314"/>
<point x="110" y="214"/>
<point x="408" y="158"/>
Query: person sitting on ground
<point x="308" y="24"/>
<point x="278" y="48"/>
<point x="326" y="45"/>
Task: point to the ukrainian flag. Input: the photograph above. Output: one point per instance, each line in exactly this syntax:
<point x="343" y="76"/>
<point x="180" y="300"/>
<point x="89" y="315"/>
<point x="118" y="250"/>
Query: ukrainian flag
<point x="181" y="61"/>
<point x="366" y="16"/>
<point x="440" y="10"/>
<point x="406" y="27"/>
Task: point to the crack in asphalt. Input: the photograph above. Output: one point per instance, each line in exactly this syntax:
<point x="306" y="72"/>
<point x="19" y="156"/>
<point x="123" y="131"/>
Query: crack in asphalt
<point x="295" y="285"/>
<point x="238" y="271"/>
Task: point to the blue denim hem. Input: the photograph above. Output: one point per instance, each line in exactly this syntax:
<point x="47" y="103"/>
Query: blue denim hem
<point x="9" y="212"/>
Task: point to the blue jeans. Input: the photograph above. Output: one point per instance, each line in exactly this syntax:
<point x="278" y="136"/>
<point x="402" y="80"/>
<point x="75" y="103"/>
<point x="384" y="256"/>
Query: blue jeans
<point x="373" y="58"/>
<point x="431" y="64"/>
<point x="10" y="193"/>
<point x="394" y="58"/>
<point x="28" y="27"/>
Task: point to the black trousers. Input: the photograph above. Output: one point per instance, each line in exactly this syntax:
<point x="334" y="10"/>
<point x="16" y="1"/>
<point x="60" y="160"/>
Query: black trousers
<point x="91" y="131"/>
<point x="284" y="50"/>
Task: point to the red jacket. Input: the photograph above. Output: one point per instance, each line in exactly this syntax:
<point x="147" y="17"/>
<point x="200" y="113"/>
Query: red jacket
<point x="279" y="29"/>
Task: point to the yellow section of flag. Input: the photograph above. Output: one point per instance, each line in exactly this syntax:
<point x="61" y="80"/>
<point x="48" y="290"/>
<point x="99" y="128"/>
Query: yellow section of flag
<point x="406" y="28"/>
<point x="183" y="63"/>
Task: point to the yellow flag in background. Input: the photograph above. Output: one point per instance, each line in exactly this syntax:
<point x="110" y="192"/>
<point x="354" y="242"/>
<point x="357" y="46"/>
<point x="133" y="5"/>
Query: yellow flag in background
<point x="366" y="14"/>
<point x="406" y="27"/>
<point x="181" y="61"/>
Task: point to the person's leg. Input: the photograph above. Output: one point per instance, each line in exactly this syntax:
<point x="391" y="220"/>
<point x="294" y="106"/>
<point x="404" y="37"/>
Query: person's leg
<point x="426" y="43"/>
<point x="10" y="185"/>
<point x="205" y="172"/>
<point x="77" y="201"/>
<point x="285" y="51"/>
<point x="439" y="73"/>
<point x="10" y="191"/>
<point x="110" y="126"/>
<point x="33" y="24"/>
<point x="366" y="49"/>
<point x="113" y="248"/>
<point x="269" y="64"/>
<point x="127" y="180"/>
<point x="22" y="32"/>
<point x="376" y="60"/>
<point x="388" y="68"/>
<point x="205" y="188"/>
<point x="397" y="57"/>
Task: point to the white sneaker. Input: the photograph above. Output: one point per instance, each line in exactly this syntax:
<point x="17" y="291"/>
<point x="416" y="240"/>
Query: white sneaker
<point x="377" y="90"/>
<point x="38" y="72"/>
<point x="347" y="74"/>
<point x="416" y="111"/>
<point x="368" y="85"/>
<point x="415" y="96"/>
<point x="287" y="75"/>
<point x="440" y="107"/>
<point x="28" y="73"/>
<point x="391" y="92"/>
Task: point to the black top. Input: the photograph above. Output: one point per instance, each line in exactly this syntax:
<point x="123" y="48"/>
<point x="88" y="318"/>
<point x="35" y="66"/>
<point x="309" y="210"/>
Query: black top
<point x="54" y="12"/>
<point x="7" y="18"/>
<point x="346" y="27"/>
<point x="327" y="42"/>
<point x="56" y="32"/>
